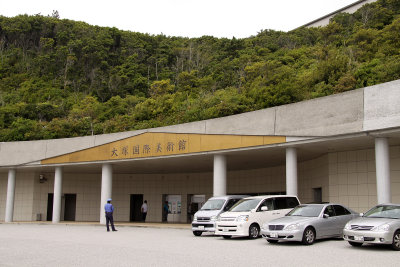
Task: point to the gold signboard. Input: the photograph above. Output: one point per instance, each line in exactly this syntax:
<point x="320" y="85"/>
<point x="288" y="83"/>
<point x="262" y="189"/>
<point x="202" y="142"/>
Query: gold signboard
<point x="163" y="144"/>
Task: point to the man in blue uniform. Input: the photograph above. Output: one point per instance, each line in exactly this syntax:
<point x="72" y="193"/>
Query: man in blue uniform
<point x="109" y="209"/>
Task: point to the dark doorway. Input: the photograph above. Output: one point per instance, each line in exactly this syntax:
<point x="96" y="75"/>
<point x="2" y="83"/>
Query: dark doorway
<point x="50" y="199"/>
<point x="317" y="195"/>
<point x="70" y="207"/>
<point x="136" y="204"/>
<point x="164" y="201"/>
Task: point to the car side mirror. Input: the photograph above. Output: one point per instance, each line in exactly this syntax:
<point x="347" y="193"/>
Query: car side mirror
<point x="361" y="214"/>
<point x="325" y="216"/>
<point x="264" y="208"/>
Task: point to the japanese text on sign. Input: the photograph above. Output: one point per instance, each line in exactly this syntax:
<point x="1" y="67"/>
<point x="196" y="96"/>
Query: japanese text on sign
<point x="158" y="148"/>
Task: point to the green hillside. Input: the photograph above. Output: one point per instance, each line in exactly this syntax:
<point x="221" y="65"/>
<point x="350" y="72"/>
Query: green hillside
<point x="63" y="78"/>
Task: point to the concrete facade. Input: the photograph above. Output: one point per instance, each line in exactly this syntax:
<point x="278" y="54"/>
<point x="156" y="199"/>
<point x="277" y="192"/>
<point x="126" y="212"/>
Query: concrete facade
<point x="334" y="139"/>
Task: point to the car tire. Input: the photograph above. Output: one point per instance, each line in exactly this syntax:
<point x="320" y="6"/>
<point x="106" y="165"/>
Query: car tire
<point x="308" y="236"/>
<point x="272" y="241"/>
<point x="254" y="231"/>
<point x="226" y="236"/>
<point x="396" y="240"/>
<point x="355" y="244"/>
<point x="197" y="233"/>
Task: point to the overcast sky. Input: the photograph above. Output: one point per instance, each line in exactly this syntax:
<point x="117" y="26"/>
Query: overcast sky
<point x="188" y="18"/>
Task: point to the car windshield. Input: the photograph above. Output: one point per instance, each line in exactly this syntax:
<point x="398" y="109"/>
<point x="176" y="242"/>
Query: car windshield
<point x="245" y="205"/>
<point x="306" y="211"/>
<point x="213" y="204"/>
<point x="384" y="211"/>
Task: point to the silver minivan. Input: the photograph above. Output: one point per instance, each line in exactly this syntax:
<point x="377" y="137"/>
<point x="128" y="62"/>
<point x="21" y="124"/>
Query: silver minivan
<point x="204" y="219"/>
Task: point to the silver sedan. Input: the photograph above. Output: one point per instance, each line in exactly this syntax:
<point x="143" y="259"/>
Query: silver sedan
<point x="379" y="225"/>
<point x="309" y="222"/>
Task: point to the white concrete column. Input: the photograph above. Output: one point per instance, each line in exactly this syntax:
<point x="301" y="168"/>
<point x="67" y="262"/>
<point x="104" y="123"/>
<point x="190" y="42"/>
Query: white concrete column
<point x="382" y="170"/>
<point x="10" y="196"/>
<point x="291" y="171"/>
<point x="106" y="189"/>
<point x="58" y="175"/>
<point x="219" y="175"/>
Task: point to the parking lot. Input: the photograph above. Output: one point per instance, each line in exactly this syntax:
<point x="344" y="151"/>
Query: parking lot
<point x="90" y="245"/>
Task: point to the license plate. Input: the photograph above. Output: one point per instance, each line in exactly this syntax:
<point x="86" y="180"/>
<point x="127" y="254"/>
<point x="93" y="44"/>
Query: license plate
<point x="225" y="229"/>
<point x="358" y="238"/>
<point x="201" y="227"/>
<point x="273" y="235"/>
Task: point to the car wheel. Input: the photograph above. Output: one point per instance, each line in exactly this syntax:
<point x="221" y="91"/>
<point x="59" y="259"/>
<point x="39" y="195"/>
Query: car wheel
<point x="355" y="244"/>
<point x="254" y="231"/>
<point x="396" y="240"/>
<point x="272" y="241"/>
<point x="227" y="236"/>
<point x="197" y="233"/>
<point x="308" y="236"/>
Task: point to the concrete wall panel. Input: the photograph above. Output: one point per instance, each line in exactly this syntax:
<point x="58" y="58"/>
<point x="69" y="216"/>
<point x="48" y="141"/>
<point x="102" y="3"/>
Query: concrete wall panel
<point x="24" y="193"/>
<point x="15" y="153"/>
<point x="382" y="106"/>
<point x="260" y="122"/>
<point x="197" y="127"/>
<point x="331" y="115"/>
<point x="313" y="174"/>
<point x="66" y="145"/>
<point x="108" y="138"/>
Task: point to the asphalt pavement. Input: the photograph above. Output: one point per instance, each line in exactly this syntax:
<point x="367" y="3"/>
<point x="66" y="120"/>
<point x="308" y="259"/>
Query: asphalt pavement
<point x="33" y="244"/>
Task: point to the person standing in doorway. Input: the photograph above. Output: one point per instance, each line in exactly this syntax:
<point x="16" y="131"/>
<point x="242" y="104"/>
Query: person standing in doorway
<point x="165" y="211"/>
<point x="144" y="209"/>
<point x="109" y="210"/>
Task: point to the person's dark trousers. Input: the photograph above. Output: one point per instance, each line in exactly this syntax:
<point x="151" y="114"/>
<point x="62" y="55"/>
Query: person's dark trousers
<point x="144" y="216"/>
<point x="110" y="220"/>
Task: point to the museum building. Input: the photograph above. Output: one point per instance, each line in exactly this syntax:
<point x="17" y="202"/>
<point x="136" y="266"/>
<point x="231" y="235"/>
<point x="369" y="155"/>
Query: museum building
<point x="343" y="148"/>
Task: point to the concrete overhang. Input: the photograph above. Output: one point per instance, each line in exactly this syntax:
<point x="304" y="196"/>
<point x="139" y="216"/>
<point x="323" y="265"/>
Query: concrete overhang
<point x="237" y="159"/>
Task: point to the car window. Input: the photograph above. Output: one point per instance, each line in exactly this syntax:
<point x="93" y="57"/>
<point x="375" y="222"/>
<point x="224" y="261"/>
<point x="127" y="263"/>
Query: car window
<point x="245" y="205"/>
<point x="213" y="204"/>
<point x="306" y="211"/>
<point x="329" y="211"/>
<point x="230" y="203"/>
<point x="267" y="203"/>
<point x="285" y="203"/>
<point x="340" y="210"/>
<point x="384" y="211"/>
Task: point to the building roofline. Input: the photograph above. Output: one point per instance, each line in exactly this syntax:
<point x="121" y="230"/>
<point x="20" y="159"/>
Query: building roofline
<point x="331" y="14"/>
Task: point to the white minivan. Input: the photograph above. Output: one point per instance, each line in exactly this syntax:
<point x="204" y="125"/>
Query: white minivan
<point x="204" y="219"/>
<point x="248" y="214"/>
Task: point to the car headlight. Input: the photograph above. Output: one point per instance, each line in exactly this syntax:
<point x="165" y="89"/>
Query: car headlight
<point x="214" y="218"/>
<point x="265" y="226"/>
<point x="347" y="226"/>
<point x="242" y="218"/>
<point x="195" y="218"/>
<point x="292" y="227"/>
<point x="381" y="228"/>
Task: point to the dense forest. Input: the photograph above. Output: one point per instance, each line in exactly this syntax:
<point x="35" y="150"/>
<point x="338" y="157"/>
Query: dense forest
<point x="62" y="78"/>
